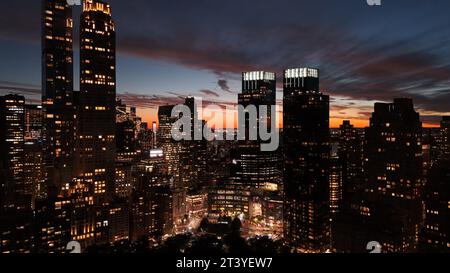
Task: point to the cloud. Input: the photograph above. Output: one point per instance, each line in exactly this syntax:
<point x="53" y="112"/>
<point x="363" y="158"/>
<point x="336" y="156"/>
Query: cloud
<point x="209" y="93"/>
<point x="155" y="101"/>
<point x="360" y="56"/>
<point x="223" y="84"/>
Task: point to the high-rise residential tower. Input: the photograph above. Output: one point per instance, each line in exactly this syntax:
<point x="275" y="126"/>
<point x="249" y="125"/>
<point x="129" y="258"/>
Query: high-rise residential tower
<point x="386" y="206"/>
<point x="57" y="94"/>
<point x="306" y="147"/>
<point x="97" y="109"/>
<point x="393" y="171"/>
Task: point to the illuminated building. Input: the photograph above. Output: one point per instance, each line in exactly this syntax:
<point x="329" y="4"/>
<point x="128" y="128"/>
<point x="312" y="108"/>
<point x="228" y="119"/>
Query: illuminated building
<point x="197" y="204"/>
<point x="57" y="93"/>
<point x="230" y="197"/>
<point x="146" y="139"/>
<point x="16" y="232"/>
<point x="152" y="198"/>
<point x="256" y="169"/>
<point x="253" y="171"/>
<point x="435" y="235"/>
<point x="306" y="161"/>
<point x="350" y="153"/>
<point x="335" y="184"/>
<point x="123" y="182"/>
<point x="126" y="142"/>
<point x="393" y="166"/>
<point x="97" y="109"/>
<point x="186" y="159"/>
<point x="386" y="206"/>
<point x="119" y="221"/>
<point x="194" y="154"/>
<point x="445" y="138"/>
<point x="33" y="172"/>
<point x="128" y="125"/>
<point x="52" y="225"/>
<point x="173" y="154"/>
<point x="16" y="192"/>
<point x="82" y="217"/>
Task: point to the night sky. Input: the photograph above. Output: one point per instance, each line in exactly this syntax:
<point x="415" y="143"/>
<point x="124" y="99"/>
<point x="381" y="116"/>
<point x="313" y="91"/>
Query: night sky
<point x="173" y="48"/>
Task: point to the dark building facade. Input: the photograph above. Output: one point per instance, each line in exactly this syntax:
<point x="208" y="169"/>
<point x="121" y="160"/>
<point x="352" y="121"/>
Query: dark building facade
<point x="306" y="136"/>
<point x="57" y="93"/>
<point x="97" y="110"/>
<point x="387" y="206"/>
<point x="33" y="172"/>
<point x="393" y="171"/>
<point x="350" y="154"/>
<point x="16" y="191"/>
<point x="445" y="138"/>
<point x="435" y="236"/>
<point x="152" y="199"/>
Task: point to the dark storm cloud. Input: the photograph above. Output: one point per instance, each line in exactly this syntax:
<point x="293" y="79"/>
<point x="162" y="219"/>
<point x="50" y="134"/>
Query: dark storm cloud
<point x="398" y="50"/>
<point x="223" y="84"/>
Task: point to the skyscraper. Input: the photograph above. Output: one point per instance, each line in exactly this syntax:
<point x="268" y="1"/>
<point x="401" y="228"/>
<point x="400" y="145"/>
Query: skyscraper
<point x="255" y="168"/>
<point x="151" y="210"/>
<point x="386" y="206"/>
<point x="15" y="191"/>
<point x="173" y="154"/>
<point x="253" y="172"/>
<point x="57" y="93"/>
<point x="33" y="151"/>
<point x="306" y="161"/>
<point x="350" y="153"/>
<point x="97" y="110"/>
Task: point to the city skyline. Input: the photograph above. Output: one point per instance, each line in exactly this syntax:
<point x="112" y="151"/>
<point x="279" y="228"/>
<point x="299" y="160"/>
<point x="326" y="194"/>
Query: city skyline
<point x="361" y="63"/>
<point x="88" y="170"/>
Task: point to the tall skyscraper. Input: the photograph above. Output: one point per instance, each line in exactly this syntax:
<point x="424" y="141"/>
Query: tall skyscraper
<point x="33" y="151"/>
<point x="350" y="154"/>
<point x="306" y="136"/>
<point x="386" y="206"/>
<point x="254" y="173"/>
<point x="393" y="169"/>
<point x="255" y="168"/>
<point x="97" y="110"/>
<point x="57" y="93"/>
<point x="195" y="152"/>
<point x="15" y="190"/>
<point x="173" y="154"/>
